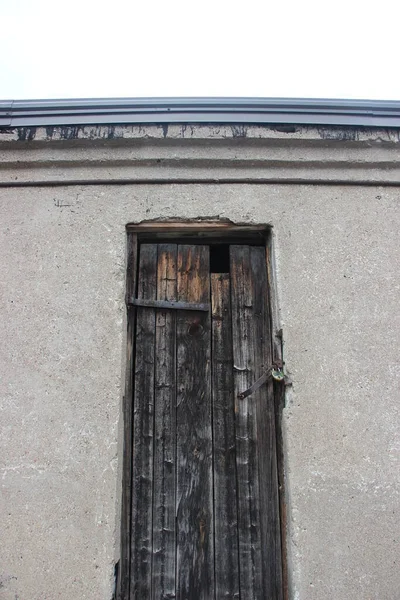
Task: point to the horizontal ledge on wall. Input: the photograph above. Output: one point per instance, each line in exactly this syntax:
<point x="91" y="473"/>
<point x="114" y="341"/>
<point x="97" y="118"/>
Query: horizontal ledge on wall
<point x="231" y="181"/>
<point x="270" y="158"/>
<point x="106" y="175"/>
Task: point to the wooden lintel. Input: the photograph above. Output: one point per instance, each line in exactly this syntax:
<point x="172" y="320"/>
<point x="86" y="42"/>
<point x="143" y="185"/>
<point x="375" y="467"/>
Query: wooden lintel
<point x="199" y="227"/>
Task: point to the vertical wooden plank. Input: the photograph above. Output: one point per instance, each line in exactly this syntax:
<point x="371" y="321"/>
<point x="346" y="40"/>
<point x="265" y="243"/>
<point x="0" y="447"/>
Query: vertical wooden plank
<point x="279" y="396"/>
<point x="195" y="556"/>
<point x="223" y="405"/>
<point x="124" y="566"/>
<point x="276" y="338"/>
<point x="142" y="460"/>
<point x="163" y="570"/>
<point x="251" y="574"/>
<point x="263" y="399"/>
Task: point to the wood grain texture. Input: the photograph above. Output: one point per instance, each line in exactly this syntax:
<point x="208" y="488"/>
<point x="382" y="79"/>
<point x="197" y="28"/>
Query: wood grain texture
<point x="195" y="553"/>
<point x="143" y="430"/>
<point x="280" y="398"/>
<point x="164" y="501"/>
<point x="224" y="442"/>
<point x="172" y="305"/>
<point x="204" y="517"/>
<point x="124" y="566"/>
<point x="247" y="455"/>
<point x="263" y="399"/>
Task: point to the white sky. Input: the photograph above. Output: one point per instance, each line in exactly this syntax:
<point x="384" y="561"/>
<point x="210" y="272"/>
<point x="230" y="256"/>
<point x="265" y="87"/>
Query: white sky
<point x="280" y="48"/>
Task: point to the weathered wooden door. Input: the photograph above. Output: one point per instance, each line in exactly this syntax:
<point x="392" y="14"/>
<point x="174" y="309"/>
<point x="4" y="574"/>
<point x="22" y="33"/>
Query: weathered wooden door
<point x="204" y="511"/>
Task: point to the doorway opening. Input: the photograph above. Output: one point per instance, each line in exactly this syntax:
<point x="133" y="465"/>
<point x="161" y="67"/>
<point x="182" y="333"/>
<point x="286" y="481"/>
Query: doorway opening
<point x="201" y="505"/>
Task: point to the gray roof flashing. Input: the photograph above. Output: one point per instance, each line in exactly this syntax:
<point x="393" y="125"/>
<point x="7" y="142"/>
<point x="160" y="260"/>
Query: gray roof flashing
<point x="244" y="111"/>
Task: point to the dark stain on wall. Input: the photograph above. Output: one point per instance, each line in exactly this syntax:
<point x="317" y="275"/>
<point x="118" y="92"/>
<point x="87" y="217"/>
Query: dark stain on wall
<point x="339" y="134"/>
<point x="239" y="131"/>
<point x="111" y="132"/>
<point x="26" y="133"/>
<point x="70" y="132"/>
<point x="285" y="128"/>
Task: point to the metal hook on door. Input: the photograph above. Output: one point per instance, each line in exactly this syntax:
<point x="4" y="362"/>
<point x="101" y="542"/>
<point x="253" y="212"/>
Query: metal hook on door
<point x="275" y="371"/>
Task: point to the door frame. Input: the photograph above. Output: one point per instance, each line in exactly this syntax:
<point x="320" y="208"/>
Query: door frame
<point x="193" y="231"/>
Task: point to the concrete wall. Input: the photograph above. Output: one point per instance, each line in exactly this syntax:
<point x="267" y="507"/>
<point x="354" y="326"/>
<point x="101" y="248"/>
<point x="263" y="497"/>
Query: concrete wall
<point x="62" y="354"/>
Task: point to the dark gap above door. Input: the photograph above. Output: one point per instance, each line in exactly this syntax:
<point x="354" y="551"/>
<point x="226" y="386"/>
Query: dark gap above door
<point x="219" y="258"/>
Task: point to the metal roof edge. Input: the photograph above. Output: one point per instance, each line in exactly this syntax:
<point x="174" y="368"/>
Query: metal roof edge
<point x="293" y="111"/>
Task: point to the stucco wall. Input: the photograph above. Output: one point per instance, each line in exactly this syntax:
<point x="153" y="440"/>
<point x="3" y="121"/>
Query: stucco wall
<point x="62" y="352"/>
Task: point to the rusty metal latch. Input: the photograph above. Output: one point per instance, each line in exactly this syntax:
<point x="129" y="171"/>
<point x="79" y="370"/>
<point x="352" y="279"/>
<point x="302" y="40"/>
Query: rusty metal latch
<point x="275" y="371"/>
